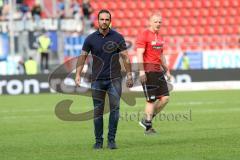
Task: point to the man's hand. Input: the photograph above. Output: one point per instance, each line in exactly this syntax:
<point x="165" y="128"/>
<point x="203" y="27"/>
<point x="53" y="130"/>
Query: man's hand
<point x="169" y="76"/>
<point x="77" y="80"/>
<point x="129" y="82"/>
<point x="143" y="77"/>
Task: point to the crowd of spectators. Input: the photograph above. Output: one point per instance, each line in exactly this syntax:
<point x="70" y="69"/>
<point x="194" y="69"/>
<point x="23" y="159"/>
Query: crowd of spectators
<point x="64" y="9"/>
<point x="36" y="10"/>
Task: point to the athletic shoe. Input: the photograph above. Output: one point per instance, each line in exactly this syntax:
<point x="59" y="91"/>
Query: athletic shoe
<point x="98" y="145"/>
<point x="112" y="145"/>
<point x="150" y="131"/>
<point x="145" y="124"/>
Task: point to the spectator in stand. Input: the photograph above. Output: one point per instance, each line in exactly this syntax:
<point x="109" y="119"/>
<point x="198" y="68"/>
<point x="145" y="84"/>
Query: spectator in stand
<point x="23" y="9"/>
<point x="61" y="9"/>
<point x="87" y="11"/>
<point x="36" y="12"/>
<point x="75" y="8"/>
<point x="21" y="67"/>
<point x="5" y="11"/>
<point x="185" y="62"/>
<point x="30" y="66"/>
<point x="1" y="7"/>
<point x="44" y="44"/>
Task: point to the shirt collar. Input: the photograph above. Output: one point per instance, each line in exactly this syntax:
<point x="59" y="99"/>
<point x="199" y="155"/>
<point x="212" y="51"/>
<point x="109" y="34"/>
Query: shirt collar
<point x="110" y="32"/>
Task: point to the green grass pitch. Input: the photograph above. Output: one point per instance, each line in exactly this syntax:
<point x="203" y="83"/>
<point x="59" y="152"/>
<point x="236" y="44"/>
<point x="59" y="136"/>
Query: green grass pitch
<point x="29" y="129"/>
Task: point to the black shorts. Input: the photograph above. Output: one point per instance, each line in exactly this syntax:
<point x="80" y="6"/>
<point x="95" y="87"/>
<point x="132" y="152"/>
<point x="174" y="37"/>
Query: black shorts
<point x="155" y="87"/>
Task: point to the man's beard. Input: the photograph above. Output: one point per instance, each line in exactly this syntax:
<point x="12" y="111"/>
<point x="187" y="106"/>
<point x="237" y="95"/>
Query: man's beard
<point x="105" y="28"/>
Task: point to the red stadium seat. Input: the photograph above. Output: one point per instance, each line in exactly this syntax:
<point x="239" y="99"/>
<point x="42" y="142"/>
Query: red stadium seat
<point x="223" y="11"/>
<point x="176" y="13"/>
<point x="216" y="4"/>
<point x="231" y="20"/>
<point x="221" y="20"/>
<point x="127" y="23"/>
<point x="237" y="20"/>
<point x="233" y="11"/>
<point x="197" y="40"/>
<point x="212" y="29"/>
<point x="125" y="31"/>
<point x="131" y="4"/>
<point x="163" y="30"/>
<point x="197" y="4"/>
<point x="206" y="39"/>
<point x="119" y="13"/>
<point x="166" y="39"/>
<point x="194" y="46"/>
<point x="141" y="4"/>
<point x="144" y="22"/>
<point x="193" y="21"/>
<point x="112" y="5"/>
<point x="133" y="31"/>
<point x="174" y="21"/>
<point x="225" y="3"/>
<point x="217" y="40"/>
<point x="150" y="4"/>
<point x="178" y="4"/>
<point x="192" y="30"/>
<point x="202" y="20"/>
<point x="121" y="4"/>
<point x="104" y="5"/>
<point x="213" y="12"/>
<point x="168" y="4"/>
<point x="166" y="12"/>
<point x="129" y="13"/>
<point x="233" y="40"/>
<point x="147" y="13"/>
<point x="182" y="31"/>
<point x="94" y="5"/>
<point x="235" y="3"/>
<point x="236" y="29"/>
<point x="159" y="4"/>
<point x="200" y="30"/>
<point x="136" y="22"/>
<point x="186" y="12"/>
<point x="229" y="29"/>
<point x="117" y="23"/>
<point x="195" y="12"/>
<point x="204" y="12"/>
<point x="166" y="22"/>
<point x="219" y="30"/>
<point x="138" y="14"/>
<point x="184" y="21"/>
<point x="178" y="39"/>
<point x="207" y="4"/>
<point x="188" y="4"/>
<point x="187" y="39"/>
<point x="211" y="20"/>
<point x="170" y="31"/>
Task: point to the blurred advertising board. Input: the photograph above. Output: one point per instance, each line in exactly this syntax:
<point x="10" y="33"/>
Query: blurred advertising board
<point x="183" y="79"/>
<point x="218" y="59"/>
<point x="4" y="46"/>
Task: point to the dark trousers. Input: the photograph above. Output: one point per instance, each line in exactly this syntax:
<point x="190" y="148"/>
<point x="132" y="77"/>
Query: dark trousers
<point x="99" y="89"/>
<point x="44" y="58"/>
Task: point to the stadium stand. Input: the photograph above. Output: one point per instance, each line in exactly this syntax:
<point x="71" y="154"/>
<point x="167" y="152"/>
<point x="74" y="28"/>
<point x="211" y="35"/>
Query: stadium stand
<point x="218" y="20"/>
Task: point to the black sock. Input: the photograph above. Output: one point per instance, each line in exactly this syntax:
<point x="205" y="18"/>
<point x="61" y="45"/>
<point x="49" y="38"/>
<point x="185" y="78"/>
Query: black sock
<point x="148" y="124"/>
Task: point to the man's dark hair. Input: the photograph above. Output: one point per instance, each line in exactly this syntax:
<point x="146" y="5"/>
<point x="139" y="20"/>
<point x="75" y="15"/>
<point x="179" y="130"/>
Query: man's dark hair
<point x="104" y="11"/>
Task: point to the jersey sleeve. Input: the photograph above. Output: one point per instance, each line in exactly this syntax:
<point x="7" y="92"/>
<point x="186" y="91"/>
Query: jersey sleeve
<point x="141" y="41"/>
<point x="86" y="45"/>
<point x="122" y="44"/>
